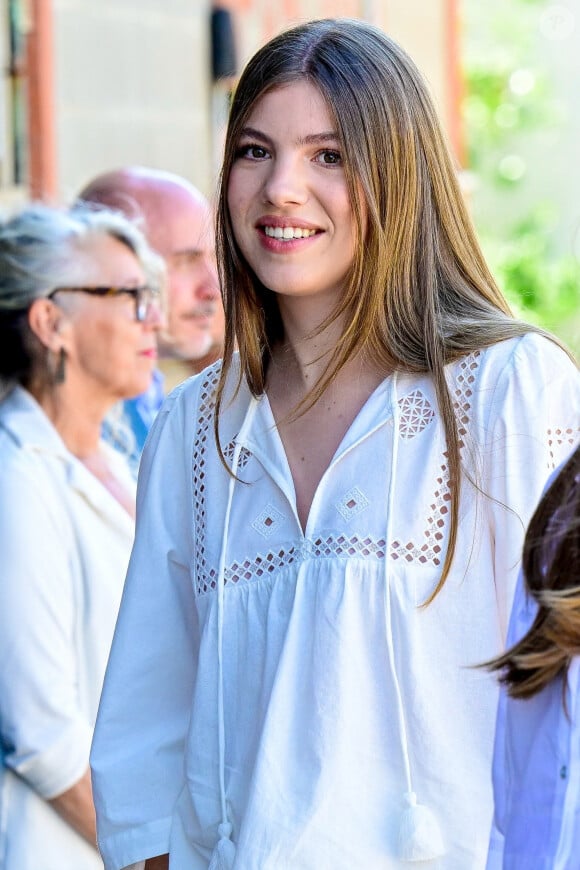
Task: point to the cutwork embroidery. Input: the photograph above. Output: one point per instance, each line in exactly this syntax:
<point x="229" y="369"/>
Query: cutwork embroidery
<point x="352" y="503"/>
<point x="329" y="547"/>
<point x="557" y="437"/>
<point x="430" y="549"/>
<point x="206" y="406"/>
<point x="244" y="457"/>
<point x="463" y="391"/>
<point x="268" y="521"/>
<point x="415" y="414"/>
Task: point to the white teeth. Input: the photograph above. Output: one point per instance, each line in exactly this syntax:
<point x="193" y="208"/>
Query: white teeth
<point x="287" y="233"/>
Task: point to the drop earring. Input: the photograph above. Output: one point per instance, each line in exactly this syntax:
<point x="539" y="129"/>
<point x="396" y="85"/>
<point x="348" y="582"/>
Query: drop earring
<point x="60" y="371"/>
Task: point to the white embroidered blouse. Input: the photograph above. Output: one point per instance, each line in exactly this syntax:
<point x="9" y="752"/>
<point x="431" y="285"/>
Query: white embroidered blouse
<point x="301" y="692"/>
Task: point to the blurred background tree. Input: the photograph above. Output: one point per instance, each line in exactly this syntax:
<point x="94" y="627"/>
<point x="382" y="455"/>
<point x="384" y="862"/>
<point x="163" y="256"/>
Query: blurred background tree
<point x="522" y="121"/>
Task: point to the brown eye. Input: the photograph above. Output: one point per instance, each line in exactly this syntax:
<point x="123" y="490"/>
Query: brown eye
<point x="252" y="152"/>
<point x="329" y="158"/>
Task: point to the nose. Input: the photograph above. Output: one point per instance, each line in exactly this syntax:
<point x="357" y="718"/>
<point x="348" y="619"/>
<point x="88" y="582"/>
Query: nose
<point x="284" y="183"/>
<point x="208" y="288"/>
<point x="156" y="318"/>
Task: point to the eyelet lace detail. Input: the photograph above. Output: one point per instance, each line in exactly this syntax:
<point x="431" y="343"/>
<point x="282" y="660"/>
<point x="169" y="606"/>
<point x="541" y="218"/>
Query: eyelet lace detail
<point x="273" y="561"/>
<point x="557" y="437"/>
<point x="415" y="414"/>
<point x="352" y="503"/>
<point x="268" y="521"/>
<point x="244" y="454"/>
<point x="207" y="400"/>
<point x="430" y="550"/>
<point x="321" y="547"/>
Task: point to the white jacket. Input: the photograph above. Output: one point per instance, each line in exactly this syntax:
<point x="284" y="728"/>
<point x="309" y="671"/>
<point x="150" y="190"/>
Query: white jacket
<point x="64" y="548"/>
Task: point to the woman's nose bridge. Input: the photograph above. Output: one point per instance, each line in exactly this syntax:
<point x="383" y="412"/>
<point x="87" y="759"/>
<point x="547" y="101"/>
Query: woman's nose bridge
<point x="285" y="178"/>
<point x="156" y="315"/>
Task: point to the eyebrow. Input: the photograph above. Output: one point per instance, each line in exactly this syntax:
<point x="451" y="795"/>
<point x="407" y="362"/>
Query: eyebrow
<point x="311" y="139"/>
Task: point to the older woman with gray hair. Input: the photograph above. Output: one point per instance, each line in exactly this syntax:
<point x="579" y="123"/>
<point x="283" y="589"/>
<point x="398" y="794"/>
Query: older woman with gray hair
<point x="79" y="314"/>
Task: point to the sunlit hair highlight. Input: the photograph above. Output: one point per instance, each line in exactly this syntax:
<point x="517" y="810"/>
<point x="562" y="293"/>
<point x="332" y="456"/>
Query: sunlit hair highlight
<point x="420" y="294"/>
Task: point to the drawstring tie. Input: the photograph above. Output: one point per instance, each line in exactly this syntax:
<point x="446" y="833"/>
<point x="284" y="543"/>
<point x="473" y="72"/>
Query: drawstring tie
<point x="419" y="836"/>
<point x="224" y="853"/>
<point x="419" y="833"/>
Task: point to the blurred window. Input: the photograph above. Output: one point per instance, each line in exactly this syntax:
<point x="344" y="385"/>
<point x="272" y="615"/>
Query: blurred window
<point x="14" y="25"/>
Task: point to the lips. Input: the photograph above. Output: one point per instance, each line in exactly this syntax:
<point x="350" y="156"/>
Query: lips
<point x="272" y="221"/>
<point x="283" y="231"/>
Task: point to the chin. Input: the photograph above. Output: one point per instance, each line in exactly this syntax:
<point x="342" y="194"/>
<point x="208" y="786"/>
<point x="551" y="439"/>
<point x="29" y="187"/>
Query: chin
<point x="188" y="349"/>
<point x="195" y="351"/>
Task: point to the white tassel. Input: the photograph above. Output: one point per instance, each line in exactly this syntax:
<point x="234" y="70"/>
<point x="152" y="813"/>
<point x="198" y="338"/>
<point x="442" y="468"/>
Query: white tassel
<point x="224" y="853"/>
<point x="419" y="833"/>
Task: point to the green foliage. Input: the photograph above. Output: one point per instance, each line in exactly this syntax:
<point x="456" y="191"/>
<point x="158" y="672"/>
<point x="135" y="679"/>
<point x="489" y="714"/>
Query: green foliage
<point x="508" y="97"/>
<point x="541" y="288"/>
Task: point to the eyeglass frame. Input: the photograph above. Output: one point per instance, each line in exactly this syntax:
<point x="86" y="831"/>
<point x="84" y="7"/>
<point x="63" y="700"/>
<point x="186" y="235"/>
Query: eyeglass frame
<point x="144" y="296"/>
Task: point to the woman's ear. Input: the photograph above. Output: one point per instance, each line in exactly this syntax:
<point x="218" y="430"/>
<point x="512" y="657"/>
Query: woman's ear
<point x="46" y="321"/>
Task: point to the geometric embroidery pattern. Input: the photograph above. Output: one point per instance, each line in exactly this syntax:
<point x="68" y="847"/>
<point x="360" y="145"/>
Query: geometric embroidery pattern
<point x="557" y="437"/>
<point x="244" y="457"/>
<point x="429" y="550"/>
<point x="329" y="547"/>
<point x="415" y="414"/>
<point x="352" y="503"/>
<point x="463" y="391"/>
<point x="265" y="564"/>
<point x="203" y="433"/>
<point x="268" y="521"/>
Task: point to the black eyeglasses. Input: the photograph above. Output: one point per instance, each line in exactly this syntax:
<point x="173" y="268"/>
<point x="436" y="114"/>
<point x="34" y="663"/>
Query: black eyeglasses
<point x="144" y="296"/>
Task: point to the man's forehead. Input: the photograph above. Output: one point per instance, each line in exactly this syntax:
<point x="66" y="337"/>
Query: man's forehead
<point x="180" y="229"/>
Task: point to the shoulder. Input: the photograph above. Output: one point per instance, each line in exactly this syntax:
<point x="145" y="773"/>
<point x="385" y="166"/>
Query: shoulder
<point x="195" y="399"/>
<point x="198" y="393"/>
<point x="32" y="504"/>
<point x="528" y="366"/>
<point x="182" y="407"/>
<point x="25" y="468"/>
<point x="531" y="353"/>
<point x="184" y="425"/>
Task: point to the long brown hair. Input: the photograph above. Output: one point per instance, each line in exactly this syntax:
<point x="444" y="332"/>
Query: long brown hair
<point x="551" y="567"/>
<point x="420" y="294"/>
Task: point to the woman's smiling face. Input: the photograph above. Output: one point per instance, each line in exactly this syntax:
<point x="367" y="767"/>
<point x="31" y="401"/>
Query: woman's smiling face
<point x="288" y="196"/>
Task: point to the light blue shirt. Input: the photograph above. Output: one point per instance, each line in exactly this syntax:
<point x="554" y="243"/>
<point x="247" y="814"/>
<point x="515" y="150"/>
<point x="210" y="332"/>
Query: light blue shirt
<point x="138" y="416"/>
<point x="536" y="769"/>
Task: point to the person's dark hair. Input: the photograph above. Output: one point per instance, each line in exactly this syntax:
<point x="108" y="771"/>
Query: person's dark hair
<point x="420" y="293"/>
<point x="39" y="251"/>
<point x="551" y="567"/>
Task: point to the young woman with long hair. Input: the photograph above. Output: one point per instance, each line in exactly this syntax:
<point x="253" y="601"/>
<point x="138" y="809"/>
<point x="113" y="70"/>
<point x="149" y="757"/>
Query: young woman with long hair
<point x="536" y="764"/>
<point x="331" y="520"/>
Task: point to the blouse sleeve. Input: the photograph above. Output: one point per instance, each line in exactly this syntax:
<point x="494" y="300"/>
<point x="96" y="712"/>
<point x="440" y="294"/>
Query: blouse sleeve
<point x="533" y="427"/>
<point x="138" y="749"/>
<point x="45" y="736"/>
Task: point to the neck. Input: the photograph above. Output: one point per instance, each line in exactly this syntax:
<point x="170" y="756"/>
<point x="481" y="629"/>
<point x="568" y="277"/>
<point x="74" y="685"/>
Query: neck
<point x="301" y="362"/>
<point x="304" y="354"/>
<point x="77" y="420"/>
